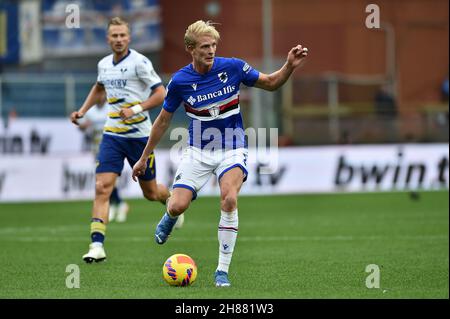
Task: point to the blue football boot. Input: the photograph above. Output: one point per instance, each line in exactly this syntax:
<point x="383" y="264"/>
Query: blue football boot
<point x="164" y="228"/>
<point x="221" y="279"/>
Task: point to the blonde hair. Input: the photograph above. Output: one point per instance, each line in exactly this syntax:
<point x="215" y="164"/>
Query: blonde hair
<point x="200" y="28"/>
<point x="118" y="21"/>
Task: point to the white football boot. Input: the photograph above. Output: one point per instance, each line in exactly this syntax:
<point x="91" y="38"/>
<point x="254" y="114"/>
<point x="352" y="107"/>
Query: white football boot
<point x="112" y="212"/>
<point x="180" y="222"/>
<point x="122" y="212"/>
<point x="96" y="253"/>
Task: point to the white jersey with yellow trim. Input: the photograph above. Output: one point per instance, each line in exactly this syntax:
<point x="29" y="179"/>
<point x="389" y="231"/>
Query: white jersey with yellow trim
<point x="128" y="82"/>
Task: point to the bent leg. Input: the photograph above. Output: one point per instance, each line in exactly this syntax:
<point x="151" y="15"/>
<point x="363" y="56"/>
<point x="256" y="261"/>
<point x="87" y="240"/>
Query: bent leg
<point x="177" y="205"/>
<point x="179" y="201"/>
<point x="190" y="177"/>
<point x="153" y="191"/>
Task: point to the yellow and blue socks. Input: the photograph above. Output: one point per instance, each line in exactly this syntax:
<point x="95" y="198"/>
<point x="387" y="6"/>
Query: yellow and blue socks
<point x="98" y="230"/>
<point x="227" y="234"/>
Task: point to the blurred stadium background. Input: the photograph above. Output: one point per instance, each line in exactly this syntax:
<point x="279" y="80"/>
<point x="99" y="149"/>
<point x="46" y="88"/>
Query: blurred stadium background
<point x="369" y="111"/>
<point x="360" y="86"/>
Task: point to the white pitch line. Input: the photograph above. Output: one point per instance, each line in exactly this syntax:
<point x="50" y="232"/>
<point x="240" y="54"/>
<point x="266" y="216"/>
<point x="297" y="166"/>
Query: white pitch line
<point x="241" y="238"/>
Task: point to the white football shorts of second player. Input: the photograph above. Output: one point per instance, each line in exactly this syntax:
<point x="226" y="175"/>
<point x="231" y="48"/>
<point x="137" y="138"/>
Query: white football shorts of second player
<point x="197" y="166"/>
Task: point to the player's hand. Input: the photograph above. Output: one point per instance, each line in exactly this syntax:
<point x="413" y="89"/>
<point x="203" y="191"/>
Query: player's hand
<point x="126" y="113"/>
<point x="139" y="168"/>
<point x="75" y="116"/>
<point x="297" y="55"/>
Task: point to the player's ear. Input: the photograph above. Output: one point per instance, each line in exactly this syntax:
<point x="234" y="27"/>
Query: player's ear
<point x="190" y="48"/>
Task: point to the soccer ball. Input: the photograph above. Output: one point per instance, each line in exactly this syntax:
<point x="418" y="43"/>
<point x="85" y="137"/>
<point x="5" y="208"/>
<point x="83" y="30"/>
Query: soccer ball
<point x="179" y="270"/>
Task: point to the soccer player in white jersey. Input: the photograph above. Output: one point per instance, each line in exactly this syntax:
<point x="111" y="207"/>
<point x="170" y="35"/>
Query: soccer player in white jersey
<point x="208" y="88"/>
<point x="92" y="125"/>
<point x="132" y="88"/>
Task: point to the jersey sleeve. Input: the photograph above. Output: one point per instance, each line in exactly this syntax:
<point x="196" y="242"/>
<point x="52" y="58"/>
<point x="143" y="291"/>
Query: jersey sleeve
<point x="99" y="80"/>
<point x="248" y="74"/>
<point x="173" y="98"/>
<point x="146" y="73"/>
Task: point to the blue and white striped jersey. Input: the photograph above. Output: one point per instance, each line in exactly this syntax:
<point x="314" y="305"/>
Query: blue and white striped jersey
<point x="211" y="100"/>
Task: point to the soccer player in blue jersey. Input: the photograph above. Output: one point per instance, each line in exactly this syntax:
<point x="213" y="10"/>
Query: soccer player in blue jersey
<point x="132" y="87"/>
<point x="208" y="88"/>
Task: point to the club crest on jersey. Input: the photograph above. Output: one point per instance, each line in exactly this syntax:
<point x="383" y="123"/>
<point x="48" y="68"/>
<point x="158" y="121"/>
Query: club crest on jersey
<point x="214" y="111"/>
<point x="223" y="77"/>
<point x="194" y="86"/>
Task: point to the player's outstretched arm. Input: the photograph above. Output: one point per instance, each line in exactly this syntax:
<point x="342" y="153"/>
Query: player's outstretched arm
<point x="155" y="99"/>
<point x="273" y="81"/>
<point x="159" y="128"/>
<point x="96" y="95"/>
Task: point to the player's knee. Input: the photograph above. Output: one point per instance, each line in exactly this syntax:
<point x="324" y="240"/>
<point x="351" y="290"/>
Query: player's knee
<point x="229" y="202"/>
<point x="102" y="189"/>
<point x="177" y="208"/>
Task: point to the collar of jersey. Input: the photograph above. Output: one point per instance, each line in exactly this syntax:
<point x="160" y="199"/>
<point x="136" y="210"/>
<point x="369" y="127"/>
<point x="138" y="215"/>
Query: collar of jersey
<point x="129" y="52"/>
<point x="191" y="66"/>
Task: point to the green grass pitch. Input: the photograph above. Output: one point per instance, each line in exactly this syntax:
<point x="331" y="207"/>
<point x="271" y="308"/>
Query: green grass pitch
<point x="289" y="247"/>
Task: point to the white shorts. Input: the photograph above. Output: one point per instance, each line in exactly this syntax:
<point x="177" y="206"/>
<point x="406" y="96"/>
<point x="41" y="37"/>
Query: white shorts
<point x="197" y="166"/>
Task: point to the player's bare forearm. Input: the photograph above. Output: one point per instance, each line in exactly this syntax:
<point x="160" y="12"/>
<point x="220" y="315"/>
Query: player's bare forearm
<point x="96" y="95"/>
<point x="155" y="99"/>
<point x="160" y="126"/>
<point x="275" y="80"/>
